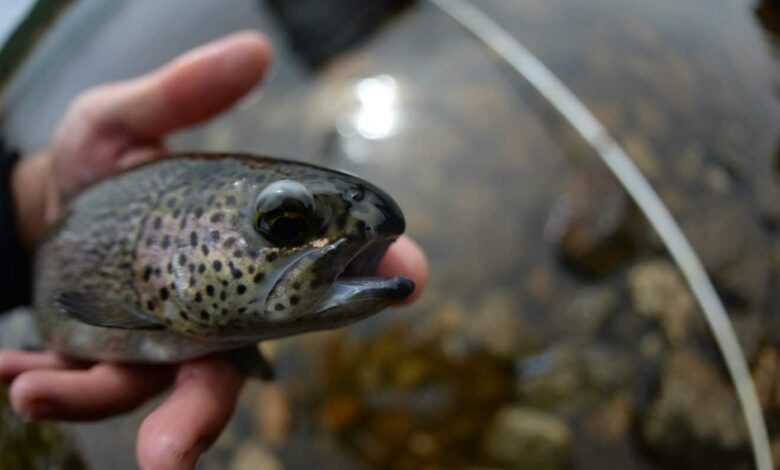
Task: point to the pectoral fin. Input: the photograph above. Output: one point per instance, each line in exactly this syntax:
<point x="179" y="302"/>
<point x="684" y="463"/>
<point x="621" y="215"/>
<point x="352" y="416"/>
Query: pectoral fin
<point x="95" y="311"/>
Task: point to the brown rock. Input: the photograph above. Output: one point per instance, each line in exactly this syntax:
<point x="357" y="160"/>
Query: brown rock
<point x="695" y="420"/>
<point x="591" y="221"/>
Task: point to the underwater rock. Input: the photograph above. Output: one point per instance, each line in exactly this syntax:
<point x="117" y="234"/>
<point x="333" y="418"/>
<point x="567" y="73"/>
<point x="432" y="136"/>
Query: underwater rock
<point x="587" y="310"/>
<point x="658" y="291"/>
<point x="694" y="420"/>
<point x="766" y="375"/>
<point x="733" y="247"/>
<point x="272" y="413"/>
<point x="610" y="422"/>
<point x="526" y="438"/>
<point x="571" y="375"/>
<point x="590" y="223"/>
<point x="499" y="327"/>
<point x="254" y="456"/>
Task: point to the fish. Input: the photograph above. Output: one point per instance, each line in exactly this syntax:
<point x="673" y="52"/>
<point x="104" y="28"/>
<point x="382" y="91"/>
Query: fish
<point x="203" y="253"/>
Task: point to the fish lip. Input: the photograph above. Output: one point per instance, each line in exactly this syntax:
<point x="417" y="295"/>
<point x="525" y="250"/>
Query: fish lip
<point x="359" y="268"/>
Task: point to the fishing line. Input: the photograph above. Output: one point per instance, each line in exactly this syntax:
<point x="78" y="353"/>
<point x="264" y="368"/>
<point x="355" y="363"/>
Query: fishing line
<point x="640" y="190"/>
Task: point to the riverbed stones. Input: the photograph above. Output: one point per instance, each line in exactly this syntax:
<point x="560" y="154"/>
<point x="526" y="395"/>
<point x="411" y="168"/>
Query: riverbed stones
<point x="527" y="438"/>
<point x="590" y="223"/>
<point x="659" y="292"/>
<point x="695" y="419"/>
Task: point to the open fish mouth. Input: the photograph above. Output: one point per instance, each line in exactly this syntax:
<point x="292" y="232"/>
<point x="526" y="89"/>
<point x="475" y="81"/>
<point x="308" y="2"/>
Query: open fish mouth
<point x="358" y="293"/>
<point x="328" y="294"/>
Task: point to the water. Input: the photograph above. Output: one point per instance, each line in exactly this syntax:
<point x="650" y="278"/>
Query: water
<point x="613" y="359"/>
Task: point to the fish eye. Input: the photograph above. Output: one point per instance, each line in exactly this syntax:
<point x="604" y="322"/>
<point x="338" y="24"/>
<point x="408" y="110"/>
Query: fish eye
<point x="284" y="213"/>
<point x="356" y="194"/>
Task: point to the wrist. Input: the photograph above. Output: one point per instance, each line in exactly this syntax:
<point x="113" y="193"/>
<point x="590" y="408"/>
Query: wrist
<point x="30" y="182"/>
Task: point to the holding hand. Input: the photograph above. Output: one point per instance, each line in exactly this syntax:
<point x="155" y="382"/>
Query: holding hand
<point x="107" y="130"/>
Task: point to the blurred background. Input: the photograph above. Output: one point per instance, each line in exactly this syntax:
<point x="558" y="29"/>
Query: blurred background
<point x="556" y="332"/>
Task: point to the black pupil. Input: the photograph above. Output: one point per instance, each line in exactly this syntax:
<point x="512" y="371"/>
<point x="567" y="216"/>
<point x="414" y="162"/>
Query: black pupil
<point x="288" y="229"/>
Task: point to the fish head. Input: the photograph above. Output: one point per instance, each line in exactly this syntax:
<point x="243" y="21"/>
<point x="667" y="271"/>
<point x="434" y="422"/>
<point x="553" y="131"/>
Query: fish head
<point x="295" y="252"/>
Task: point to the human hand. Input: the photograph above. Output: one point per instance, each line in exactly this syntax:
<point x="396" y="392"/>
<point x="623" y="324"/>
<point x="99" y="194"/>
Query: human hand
<point x="106" y="130"/>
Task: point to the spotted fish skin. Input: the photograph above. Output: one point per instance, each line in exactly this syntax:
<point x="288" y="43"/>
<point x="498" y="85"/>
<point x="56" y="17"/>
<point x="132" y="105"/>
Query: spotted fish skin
<point x="167" y="262"/>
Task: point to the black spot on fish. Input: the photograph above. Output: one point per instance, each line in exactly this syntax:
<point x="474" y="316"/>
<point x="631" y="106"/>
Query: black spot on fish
<point x="237" y="274"/>
<point x="315" y="284"/>
<point x="238" y="253"/>
<point x="147" y="273"/>
<point x="250" y="268"/>
<point x="184" y="315"/>
<point x="223" y="282"/>
<point x="253" y="253"/>
<point x="201" y="268"/>
<point x="296" y="285"/>
<point x="198" y="297"/>
<point x="258" y="277"/>
<point x="182" y="259"/>
<point x="230" y="200"/>
<point x="157" y="223"/>
<point x="150" y="304"/>
<point x="204" y="315"/>
<point x="193" y="239"/>
<point x="182" y="223"/>
<point x="164" y="293"/>
<point x="279" y="307"/>
<point x="192" y="281"/>
<point x="205" y="250"/>
<point x="229" y="242"/>
<point x="191" y="267"/>
<point x="217" y="265"/>
<point x="149" y="241"/>
<point x="198" y="212"/>
<point x="241" y="310"/>
<point x="170" y="267"/>
<point x="166" y="242"/>
<point x="210" y="290"/>
<point x="216" y="217"/>
<point x="214" y="234"/>
<point x="157" y="272"/>
<point x="224" y="312"/>
<point x="270" y="257"/>
<point x="223" y="296"/>
<point x="240" y="289"/>
<point x="176" y="213"/>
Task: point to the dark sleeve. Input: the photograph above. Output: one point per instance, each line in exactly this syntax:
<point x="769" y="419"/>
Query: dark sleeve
<point x="15" y="280"/>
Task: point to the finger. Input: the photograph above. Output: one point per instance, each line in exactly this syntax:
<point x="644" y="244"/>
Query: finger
<point x="406" y="258"/>
<point x="101" y="391"/>
<point x="13" y="363"/>
<point x="105" y="122"/>
<point x="186" y="424"/>
<point x="189" y="90"/>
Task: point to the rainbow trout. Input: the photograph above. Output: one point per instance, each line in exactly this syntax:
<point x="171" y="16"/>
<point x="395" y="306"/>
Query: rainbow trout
<point x="208" y="252"/>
